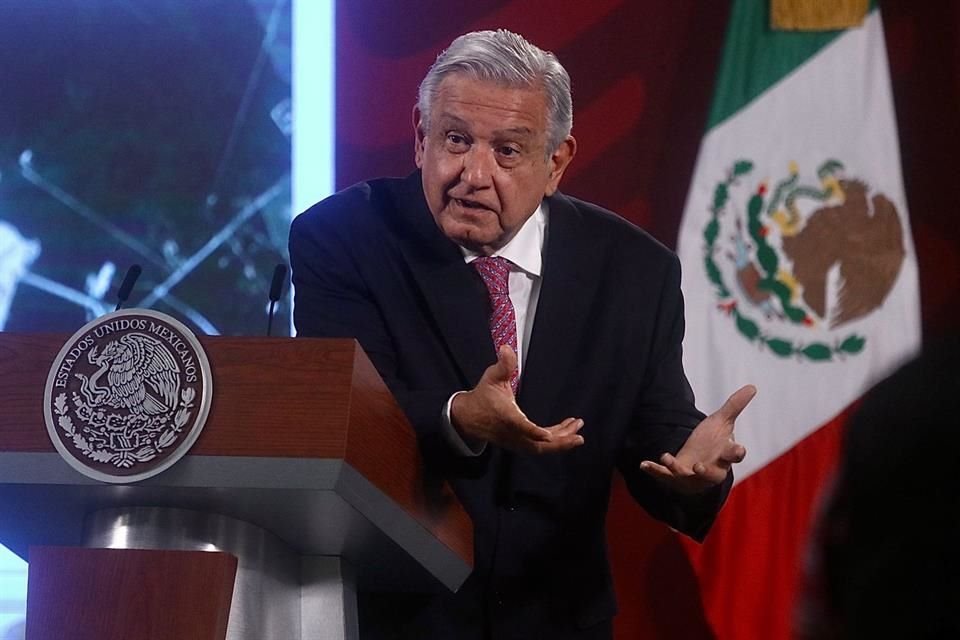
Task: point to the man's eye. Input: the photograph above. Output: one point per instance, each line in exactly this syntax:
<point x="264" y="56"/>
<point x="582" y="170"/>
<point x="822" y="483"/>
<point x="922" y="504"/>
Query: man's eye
<point x="456" y="139"/>
<point x="509" y="152"/>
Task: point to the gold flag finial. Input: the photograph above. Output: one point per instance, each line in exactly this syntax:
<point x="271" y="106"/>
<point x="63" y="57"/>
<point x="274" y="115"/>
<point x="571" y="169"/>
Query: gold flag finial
<point x="817" y="15"/>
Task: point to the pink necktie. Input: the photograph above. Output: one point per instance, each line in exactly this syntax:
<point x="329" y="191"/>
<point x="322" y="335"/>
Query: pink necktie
<point x="503" y="319"/>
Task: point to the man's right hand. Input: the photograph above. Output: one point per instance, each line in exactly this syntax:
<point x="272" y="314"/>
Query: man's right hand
<point x="489" y="413"/>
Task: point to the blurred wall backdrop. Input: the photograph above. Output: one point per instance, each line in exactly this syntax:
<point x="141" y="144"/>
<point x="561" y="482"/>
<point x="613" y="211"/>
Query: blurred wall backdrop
<point x="159" y="132"/>
<point x="143" y="131"/>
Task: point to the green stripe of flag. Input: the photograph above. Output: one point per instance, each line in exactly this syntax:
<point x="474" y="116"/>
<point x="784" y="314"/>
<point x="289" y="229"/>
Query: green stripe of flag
<point x="755" y="57"/>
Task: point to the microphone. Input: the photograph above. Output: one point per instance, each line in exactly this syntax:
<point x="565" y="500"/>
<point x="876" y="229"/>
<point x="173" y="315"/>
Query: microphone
<point x="276" y="288"/>
<point x="127" y="285"/>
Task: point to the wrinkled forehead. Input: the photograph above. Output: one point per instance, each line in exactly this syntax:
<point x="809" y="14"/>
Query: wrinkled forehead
<point x="465" y="89"/>
<point x="467" y="99"/>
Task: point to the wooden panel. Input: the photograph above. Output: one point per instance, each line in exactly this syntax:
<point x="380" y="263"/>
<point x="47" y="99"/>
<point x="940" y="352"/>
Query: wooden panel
<point x="279" y="397"/>
<point x="381" y="447"/>
<point x="24" y="363"/>
<point x="128" y="594"/>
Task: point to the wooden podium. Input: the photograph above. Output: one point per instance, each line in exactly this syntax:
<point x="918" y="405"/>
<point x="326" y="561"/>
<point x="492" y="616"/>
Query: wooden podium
<point x="306" y="484"/>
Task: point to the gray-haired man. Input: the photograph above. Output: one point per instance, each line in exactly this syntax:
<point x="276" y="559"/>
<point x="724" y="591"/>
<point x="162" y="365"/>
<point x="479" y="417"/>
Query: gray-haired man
<point x="533" y="339"/>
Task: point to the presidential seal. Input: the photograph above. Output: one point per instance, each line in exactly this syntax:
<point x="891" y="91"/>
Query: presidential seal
<point x="127" y="396"/>
<point x="797" y="264"/>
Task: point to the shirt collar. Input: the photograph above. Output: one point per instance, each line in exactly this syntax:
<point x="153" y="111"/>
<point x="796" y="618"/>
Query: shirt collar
<point x="525" y="250"/>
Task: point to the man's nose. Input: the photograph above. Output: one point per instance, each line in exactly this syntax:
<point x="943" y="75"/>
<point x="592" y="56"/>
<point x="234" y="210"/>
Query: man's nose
<point x="479" y="164"/>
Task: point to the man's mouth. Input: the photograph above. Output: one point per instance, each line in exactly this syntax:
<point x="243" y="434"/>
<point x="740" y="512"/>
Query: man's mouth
<point x="470" y="204"/>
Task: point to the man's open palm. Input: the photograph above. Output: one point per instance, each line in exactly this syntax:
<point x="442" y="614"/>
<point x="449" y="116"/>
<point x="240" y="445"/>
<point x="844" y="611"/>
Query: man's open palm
<point x="489" y="413"/>
<point x="709" y="452"/>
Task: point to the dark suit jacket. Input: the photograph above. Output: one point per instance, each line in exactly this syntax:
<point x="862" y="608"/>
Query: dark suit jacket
<point x="371" y="263"/>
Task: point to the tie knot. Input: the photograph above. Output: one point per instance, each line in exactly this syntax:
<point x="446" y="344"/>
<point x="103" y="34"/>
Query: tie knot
<point x="495" y="272"/>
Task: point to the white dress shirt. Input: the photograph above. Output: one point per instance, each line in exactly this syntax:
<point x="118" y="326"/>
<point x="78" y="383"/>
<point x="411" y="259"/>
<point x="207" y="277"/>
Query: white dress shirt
<point x="525" y="253"/>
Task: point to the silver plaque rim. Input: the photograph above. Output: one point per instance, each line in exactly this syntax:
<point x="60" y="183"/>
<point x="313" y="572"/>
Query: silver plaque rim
<point x="181" y="450"/>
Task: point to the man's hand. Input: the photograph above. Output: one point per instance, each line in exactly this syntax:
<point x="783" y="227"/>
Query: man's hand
<point x="489" y="413"/>
<point x="708" y="453"/>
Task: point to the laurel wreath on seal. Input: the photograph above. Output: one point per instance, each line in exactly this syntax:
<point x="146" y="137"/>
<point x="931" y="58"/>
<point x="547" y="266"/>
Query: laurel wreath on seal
<point x="125" y="459"/>
<point x="787" y="190"/>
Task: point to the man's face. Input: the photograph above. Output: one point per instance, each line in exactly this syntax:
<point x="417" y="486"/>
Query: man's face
<point x="484" y="160"/>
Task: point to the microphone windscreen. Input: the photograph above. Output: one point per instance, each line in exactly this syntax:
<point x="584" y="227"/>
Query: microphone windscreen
<point x="128" y="281"/>
<point x="276" y="286"/>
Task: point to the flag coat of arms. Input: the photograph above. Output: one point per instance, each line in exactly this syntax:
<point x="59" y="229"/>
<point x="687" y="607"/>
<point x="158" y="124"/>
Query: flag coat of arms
<point x="799" y="277"/>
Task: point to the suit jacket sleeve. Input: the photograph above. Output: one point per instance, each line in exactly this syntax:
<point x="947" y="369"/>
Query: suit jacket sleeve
<point x="333" y="299"/>
<point x="665" y="415"/>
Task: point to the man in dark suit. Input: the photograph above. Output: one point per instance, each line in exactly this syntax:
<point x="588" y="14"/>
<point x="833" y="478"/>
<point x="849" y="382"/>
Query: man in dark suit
<point x="534" y="341"/>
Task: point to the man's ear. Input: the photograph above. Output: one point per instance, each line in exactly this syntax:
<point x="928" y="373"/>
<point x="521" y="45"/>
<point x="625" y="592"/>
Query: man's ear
<point x="419" y="133"/>
<point x="558" y="161"/>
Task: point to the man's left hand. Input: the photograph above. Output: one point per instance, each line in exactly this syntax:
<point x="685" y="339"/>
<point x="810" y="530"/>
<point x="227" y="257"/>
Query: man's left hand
<point x="709" y="452"/>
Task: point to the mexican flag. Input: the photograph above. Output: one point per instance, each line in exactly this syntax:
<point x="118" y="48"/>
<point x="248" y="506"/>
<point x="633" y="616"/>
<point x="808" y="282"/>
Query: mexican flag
<point x="799" y="277"/>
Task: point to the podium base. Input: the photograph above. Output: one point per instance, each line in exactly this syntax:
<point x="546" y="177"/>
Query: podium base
<point x="277" y="593"/>
<point x="127" y="594"/>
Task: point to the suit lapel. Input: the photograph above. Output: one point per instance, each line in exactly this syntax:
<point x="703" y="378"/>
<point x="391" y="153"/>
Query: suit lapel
<point x="454" y="294"/>
<point x="457" y="301"/>
<point x="571" y="266"/>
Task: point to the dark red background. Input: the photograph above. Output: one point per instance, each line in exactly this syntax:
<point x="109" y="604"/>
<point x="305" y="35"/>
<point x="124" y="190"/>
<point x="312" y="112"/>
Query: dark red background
<point x="642" y="73"/>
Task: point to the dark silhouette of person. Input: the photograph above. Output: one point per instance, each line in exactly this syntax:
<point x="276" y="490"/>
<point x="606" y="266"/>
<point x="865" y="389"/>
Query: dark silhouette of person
<point x="885" y="557"/>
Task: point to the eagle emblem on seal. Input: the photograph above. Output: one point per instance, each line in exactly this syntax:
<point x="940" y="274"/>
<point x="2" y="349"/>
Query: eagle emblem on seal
<point x="123" y="393"/>
<point x="142" y="376"/>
